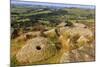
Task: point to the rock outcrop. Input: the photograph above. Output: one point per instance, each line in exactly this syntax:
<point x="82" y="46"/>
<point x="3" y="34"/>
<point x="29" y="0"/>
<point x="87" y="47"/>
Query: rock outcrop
<point x="35" y="50"/>
<point x="76" y="44"/>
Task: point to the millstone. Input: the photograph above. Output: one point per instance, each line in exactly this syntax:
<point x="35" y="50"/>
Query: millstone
<point x="36" y="49"/>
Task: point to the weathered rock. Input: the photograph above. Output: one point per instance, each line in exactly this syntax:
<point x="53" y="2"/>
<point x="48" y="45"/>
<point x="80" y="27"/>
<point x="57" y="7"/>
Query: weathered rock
<point x="50" y="33"/>
<point x="65" y="58"/>
<point x="76" y="30"/>
<point x="35" y="50"/>
<point x="81" y="54"/>
<point x="79" y="25"/>
<point x="61" y="24"/>
<point x="82" y="48"/>
<point x="78" y="39"/>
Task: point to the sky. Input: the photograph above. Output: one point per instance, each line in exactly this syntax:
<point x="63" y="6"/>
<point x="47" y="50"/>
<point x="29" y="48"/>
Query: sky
<point x="84" y="2"/>
<point x="52" y="4"/>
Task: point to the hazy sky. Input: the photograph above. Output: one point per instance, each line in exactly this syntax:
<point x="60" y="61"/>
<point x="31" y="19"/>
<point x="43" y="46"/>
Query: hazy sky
<point x="52" y="4"/>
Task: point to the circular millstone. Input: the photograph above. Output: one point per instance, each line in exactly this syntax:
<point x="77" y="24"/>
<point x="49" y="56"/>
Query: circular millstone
<point x="36" y="49"/>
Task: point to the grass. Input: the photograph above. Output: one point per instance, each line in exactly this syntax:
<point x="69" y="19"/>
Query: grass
<point x="30" y="14"/>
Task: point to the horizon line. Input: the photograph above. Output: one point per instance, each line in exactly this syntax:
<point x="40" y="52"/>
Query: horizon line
<point x="51" y="4"/>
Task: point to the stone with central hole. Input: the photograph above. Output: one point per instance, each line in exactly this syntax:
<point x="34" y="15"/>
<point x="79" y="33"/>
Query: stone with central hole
<point x="36" y="49"/>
